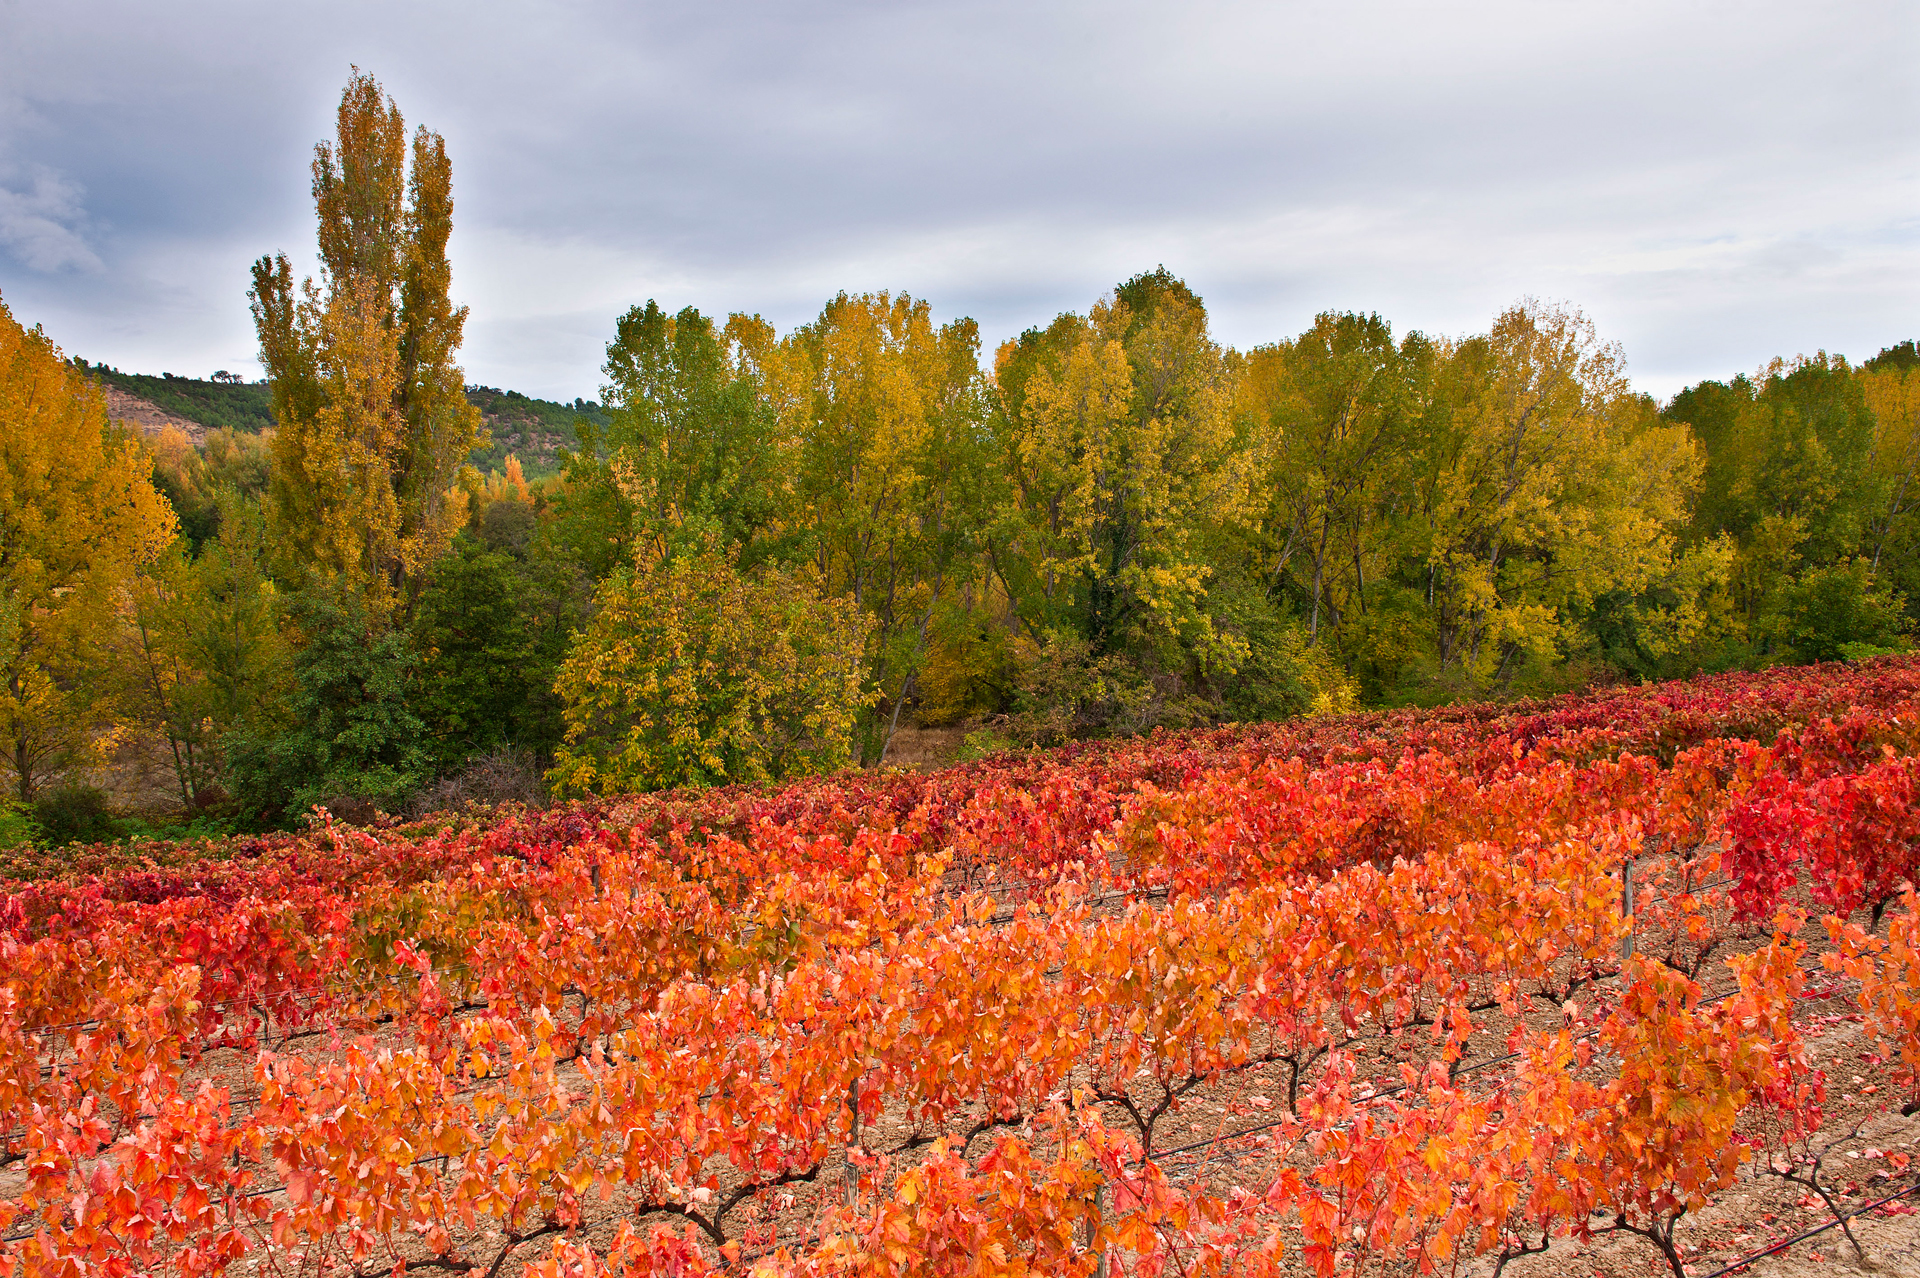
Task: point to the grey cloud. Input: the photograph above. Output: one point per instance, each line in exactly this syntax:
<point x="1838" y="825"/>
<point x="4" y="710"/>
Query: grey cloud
<point x="41" y="221"/>
<point x="1716" y="183"/>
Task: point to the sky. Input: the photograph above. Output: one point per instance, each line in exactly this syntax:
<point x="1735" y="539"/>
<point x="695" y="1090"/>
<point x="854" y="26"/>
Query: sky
<point x="1715" y="184"/>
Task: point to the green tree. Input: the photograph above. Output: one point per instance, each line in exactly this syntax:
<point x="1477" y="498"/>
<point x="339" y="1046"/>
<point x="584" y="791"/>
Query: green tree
<point x="1330" y="410"/>
<point x="1900" y="356"/>
<point x="349" y="732"/>
<point x="1836" y="610"/>
<point x="491" y="629"/>
<point x="1788" y="473"/>
<point x="689" y="433"/>
<point x="168" y="693"/>
<point x="373" y="420"/>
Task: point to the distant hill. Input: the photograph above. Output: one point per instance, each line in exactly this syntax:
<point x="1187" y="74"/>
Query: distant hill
<point x="535" y="430"/>
<point x="233" y="405"/>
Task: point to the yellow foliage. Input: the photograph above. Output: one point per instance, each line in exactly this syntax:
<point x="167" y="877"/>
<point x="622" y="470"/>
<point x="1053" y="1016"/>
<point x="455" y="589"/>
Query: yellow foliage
<point x="79" y="516"/>
<point x="1556" y="485"/>
<point x="373" y="421"/>
<point x="1125" y="455"/>
<point x="1893" y="397"/>
<point x="880" y="409"/>
<point x="865" y="387"/>
<point x="1330" y="688"/>
<point x="694" y="673"/>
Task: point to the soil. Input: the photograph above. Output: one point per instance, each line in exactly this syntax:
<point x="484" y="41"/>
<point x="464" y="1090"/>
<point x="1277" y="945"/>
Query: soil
<point x="149" y="418"/>
<point x="924" y="749"/>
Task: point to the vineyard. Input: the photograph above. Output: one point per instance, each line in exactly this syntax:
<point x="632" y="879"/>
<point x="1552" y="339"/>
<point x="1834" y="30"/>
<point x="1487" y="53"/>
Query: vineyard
<point x="1483" y="988"/>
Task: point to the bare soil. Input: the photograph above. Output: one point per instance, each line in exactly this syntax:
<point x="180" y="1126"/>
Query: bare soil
<point x="149" y="418"/>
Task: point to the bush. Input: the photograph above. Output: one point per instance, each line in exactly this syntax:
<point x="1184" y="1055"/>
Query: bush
<point x="983" y="743"/>
<point x="75" y="813"/>
<point x="1840" y="607"/>
<point x="504" y="775"/>
<point x="191" y="829"/>
<point x="695" y="673"/>
<point x="1066" y="691"/>
<point x="1867" y="651"/>
<point x="17" y="826"/>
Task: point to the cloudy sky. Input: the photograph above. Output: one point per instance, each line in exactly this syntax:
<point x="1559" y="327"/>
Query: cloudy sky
<point x="1715" y="183"/>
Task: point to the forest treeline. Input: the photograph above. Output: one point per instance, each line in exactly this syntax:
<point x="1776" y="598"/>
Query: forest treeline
<point x="768" y="553"/>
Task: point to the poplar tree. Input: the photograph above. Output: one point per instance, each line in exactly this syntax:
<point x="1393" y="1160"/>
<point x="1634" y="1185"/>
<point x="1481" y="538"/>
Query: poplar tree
<point x="1119" y="436"/>
<point x="890" y="409"/>
<point x="1545" y="485"/>
<point x="373" y="420"/>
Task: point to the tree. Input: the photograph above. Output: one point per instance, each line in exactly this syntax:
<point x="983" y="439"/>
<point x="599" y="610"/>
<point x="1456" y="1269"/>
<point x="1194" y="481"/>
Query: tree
<point x="373" y="420"/>
<point x="888" y="411"/>
<point x="1331" y="409"/>
<point x="205" y="647"/>
<point x="693" y="672"/>
<point x="1544" y="485"/>
<point x="1892" y="392"/>
<point x="79" y="518"/>
<point x="690" y="435"/>
<point x="1839" y="610"/>
<point x="348" y="733"/>
<point x="491" y="630"/>
<point x="168" y="692"/>
<point x="1791" y="472"/>
<point x="1118" y="431"/>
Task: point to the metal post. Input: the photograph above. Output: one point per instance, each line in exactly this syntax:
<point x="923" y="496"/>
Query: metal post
<point x="1102" y="1267"/>
<point x="1626" y="908"/>
<point x="852" y="1189"/>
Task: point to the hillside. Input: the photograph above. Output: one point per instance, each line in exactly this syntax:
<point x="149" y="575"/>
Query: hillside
<point x="149" y="416"/>
<point x="535" y="430"/>
<point x="209" y="404"/>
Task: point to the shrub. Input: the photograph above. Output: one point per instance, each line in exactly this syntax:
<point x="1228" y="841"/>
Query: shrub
<point x="695" y="673"/>
<point x="17" y="826"/>
<point x="1838" y="607"/>
<point x="504" y="775"/>
<point x="75" y="813"/>
<point x="983" y="743"/>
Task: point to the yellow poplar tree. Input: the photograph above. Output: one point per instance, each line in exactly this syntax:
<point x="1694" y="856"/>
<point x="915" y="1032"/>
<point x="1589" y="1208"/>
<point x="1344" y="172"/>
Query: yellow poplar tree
<point x="888" y="405"/>
<point x="1548" y="485"/>
<point x="373" y="420"/>
<point x="79" y="518"/>
<point x="1124" y="453"/>
<point x="1893" y="395"/>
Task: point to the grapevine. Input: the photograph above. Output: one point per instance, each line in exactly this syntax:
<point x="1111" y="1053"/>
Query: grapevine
<point x="649" y="1033"/>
